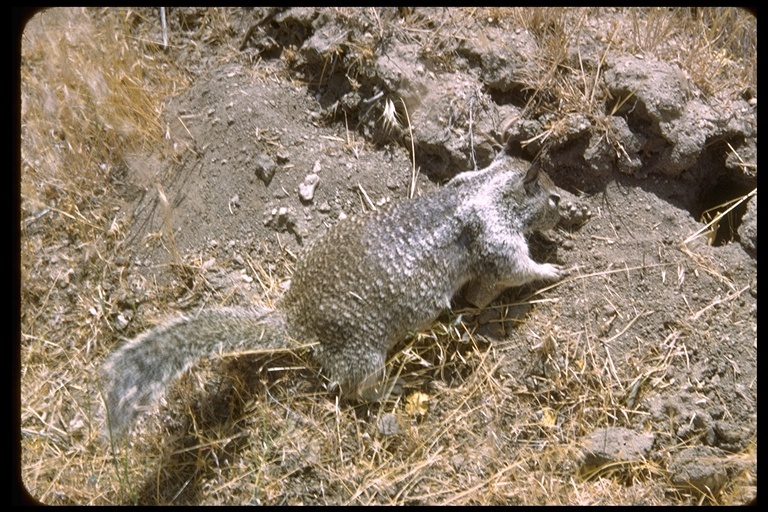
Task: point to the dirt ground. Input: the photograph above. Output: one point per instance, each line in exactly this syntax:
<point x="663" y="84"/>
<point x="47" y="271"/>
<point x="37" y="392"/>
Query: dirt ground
<point x="633" y="380"/>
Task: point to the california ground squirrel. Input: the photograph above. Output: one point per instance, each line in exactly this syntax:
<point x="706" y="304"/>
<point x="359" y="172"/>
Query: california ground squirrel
<point x="365" y="285"/>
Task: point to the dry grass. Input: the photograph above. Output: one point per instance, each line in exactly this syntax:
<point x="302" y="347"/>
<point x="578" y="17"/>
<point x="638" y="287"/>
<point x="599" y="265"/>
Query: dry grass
<point x="91" y="93"/>
<point x="93" y="90"/>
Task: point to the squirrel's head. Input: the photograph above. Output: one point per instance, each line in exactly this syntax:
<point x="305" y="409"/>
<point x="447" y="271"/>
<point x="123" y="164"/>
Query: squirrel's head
<point x="523" y="197"/>
<point x="541" y="194"/>
<point x="510" y="193"/>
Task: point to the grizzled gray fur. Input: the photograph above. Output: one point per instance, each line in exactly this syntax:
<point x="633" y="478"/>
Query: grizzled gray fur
<point x="368" y="283"/>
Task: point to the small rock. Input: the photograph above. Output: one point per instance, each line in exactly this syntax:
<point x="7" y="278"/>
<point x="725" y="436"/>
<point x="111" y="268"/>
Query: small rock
<point x="608" y="445"/>
<point x="731" y="437"/>
<point x="307" y="188"/>
<point x="265" y="168"/>
<point x="388" y="424"/>
<point x="283" y="157"/>
<point x="699" y="468"/>
<point x="284" y="221"/>
<point x="123" y="319"/>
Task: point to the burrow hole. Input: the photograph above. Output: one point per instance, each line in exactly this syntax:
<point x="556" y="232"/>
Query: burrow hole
<point x="717" y="197"/>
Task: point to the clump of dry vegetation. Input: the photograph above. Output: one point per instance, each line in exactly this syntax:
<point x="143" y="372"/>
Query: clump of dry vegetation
<point x="92" y="92"/>
<point x="250" y="430"/>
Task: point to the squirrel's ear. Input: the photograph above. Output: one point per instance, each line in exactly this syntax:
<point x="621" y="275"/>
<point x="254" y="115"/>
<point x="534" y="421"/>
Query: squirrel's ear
<point x="531" y="176"/>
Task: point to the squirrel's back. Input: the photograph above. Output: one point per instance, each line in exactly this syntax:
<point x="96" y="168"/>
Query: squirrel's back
<point x="374" y="279"/>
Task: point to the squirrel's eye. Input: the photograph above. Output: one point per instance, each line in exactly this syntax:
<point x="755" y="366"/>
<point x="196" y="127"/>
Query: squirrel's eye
<point x="555" y="199"/>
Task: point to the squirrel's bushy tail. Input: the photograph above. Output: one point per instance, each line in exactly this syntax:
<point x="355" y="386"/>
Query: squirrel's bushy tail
<point x="137" y="374"/>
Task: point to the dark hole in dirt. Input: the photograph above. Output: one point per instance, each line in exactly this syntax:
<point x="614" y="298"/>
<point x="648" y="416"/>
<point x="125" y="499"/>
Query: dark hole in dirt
<point x="436" y="167"/>
<point x="516" y="97"/>
<point x="515" y="148"/>
<point x="290" y="33"/>
<point x="717" y="198"/>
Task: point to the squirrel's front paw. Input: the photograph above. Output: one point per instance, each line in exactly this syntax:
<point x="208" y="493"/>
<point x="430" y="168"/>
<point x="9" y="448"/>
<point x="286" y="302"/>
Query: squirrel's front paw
<point x="573" y="215"/>
<point x="551" y="272"/>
